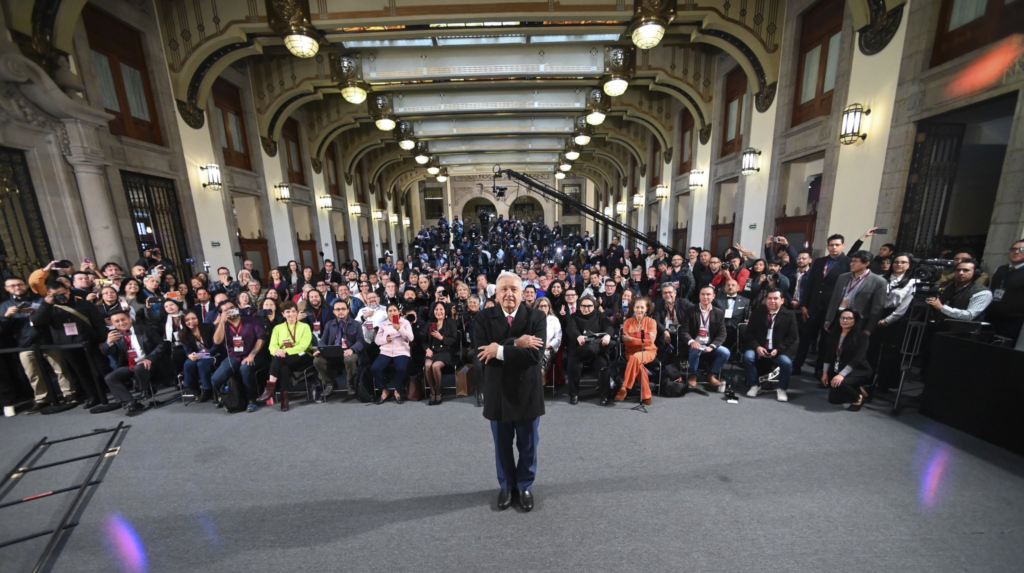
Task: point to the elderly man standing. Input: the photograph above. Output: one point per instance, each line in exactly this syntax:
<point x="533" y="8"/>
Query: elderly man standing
<point x="510" y="339"/>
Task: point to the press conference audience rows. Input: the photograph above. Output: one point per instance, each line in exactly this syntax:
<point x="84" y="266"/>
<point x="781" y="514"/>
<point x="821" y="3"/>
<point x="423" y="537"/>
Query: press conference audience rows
<point x="108" y="337"/>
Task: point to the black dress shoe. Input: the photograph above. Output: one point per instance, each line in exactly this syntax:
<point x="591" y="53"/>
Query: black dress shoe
<point x="90" y="404"/>
<point x="378" y="400"/>
<point x="205" y="396"/>
<point x="604" y="400"/>
<point x="505" y="498"/>
<point x="526" y="500"/>
<point x="135" y="408"/>
<point x="399" y="399"/>
<point x="574" y="399"/>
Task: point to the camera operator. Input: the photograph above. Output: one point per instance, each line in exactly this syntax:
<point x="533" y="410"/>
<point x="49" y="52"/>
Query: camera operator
<point x="153" y="257"/>
<point x="1007" y="310"/>
<point x="860" y="290"/>
<point x="772" y="279"/>
<point x="963" y="255"/>
<point x="38" y="279"/>
<point x="778" y="246"/>
<point x="731" y="269"/>
<point x="964" y="298"/>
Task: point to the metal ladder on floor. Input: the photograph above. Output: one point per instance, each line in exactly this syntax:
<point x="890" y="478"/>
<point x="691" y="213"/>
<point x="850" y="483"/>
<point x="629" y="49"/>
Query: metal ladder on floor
<point x="20" y="470"/>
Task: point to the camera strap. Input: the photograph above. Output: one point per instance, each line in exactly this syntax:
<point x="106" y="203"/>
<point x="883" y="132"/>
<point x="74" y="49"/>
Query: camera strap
<point x="72" y="311"/>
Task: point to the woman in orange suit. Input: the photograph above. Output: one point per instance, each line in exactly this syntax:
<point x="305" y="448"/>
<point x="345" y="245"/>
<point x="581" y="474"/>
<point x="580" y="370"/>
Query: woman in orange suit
<point x="640" y="349"/>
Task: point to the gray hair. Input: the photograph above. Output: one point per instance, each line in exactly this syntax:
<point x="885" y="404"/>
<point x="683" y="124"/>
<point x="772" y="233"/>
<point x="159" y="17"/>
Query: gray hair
<point x="667" y="286"/>
<point x="508" y="275"/>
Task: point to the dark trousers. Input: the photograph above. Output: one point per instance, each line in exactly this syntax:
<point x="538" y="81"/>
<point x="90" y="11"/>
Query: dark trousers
<point x="401" y="368"/>
<point x="282" y="368"/>
<point x="526" y="436"/>
<point x="814" y="328"/>
<point x="89" y="370"/>
<point x="848" y="391"/>
<point x="232" y="367"/>
<point x="120" y="382"/>
<point x="577" y="360"/>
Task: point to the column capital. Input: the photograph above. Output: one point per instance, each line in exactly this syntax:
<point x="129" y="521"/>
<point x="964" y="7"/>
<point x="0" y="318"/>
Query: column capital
<point x="85" y="143"/>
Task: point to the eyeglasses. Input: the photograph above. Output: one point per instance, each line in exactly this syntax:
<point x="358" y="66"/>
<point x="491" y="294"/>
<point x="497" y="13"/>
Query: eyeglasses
<point x="901" y="262"/>
<point x="846" y="318"/>
<point x="1017" y="249"/>
<point x="586" y="306"/>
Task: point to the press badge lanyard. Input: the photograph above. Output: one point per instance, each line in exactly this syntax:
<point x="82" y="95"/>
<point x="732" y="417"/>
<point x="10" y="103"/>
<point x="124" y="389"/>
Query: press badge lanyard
<point x="236" y="338"/>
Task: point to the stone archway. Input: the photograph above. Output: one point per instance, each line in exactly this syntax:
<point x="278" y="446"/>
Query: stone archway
<point x="526" y="208"/>
<point x="471" y="210"/>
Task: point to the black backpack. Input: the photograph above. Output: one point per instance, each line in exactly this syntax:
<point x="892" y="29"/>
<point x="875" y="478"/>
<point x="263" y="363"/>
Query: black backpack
<point x="364" y="385"/>
<point x="232" y="396"/>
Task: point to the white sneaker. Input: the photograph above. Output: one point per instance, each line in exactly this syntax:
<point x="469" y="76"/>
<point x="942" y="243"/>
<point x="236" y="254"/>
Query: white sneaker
<point x="782" y="397"/>
<point x="9" y="411"/>
<point x="754" y="391"/>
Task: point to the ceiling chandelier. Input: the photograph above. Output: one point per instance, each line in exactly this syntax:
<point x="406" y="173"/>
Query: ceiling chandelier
<point x="650" y="20"/>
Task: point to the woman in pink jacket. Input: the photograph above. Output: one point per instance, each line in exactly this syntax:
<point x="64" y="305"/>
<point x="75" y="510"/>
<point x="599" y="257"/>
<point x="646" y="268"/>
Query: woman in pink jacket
<point x="393" y="337"/>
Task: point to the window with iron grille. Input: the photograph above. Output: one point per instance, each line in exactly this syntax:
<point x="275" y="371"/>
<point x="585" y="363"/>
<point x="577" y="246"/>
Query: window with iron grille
<point x="574" y="191"/>
<point x="24" y="245"/>
<point x="156" y="216"/>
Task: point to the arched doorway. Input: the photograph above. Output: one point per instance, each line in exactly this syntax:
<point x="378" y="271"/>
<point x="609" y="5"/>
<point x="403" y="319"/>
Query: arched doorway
<point x="473" y="207"/>
<point x="526" y="208"/>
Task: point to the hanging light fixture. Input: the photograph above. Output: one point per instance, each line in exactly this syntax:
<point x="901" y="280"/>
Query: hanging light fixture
<point x="696" y="179"/>
<point x="620" y="207"/>
<point x="598" y="104"/>
<point x="853" y="118"/>
<point x="210" y="174"/>
<point x="355" y="210"/>
<point x="564" y="164"/>
<point x="284" y="193"/>
<point x="422" y="153"/>
<point x="618" y="69"/>
<point x="638" y="200"/>
<point x="572" y="151"/>
<point x="403" y="133"/>
<point x="749" y="161"/>
<point x="583" y="133"/>
<point x="290" y="19"/>
<point x="443" y="175"/>
<point x="650" y="19"/>
<point x="559" y="175"/>
<point x="662" y="191"/>
<point x="434" y="167"/>
<point x="381" y="112"/>
<point x="346" y="70"/>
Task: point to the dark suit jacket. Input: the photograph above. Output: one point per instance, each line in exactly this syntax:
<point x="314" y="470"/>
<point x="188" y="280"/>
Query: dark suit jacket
<point x="785" y="335"/>
<point x="854" y="353"/>
<point x="740" y="310"/>
<point x="869" y="300"/>
<point x="660" y="313"/>
<point x="819" y="286"/>
<point x="189" y="342"/>
<point x="335" y="276"/>
<point x="152" y="346"/>
<point x="691" y="322"/>
<point x="400" y="277"/>
<point x="513" y="388"/>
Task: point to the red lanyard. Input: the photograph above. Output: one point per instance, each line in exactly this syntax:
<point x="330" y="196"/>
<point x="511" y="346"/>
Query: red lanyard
<point x="854" y="284"/>
<point x="829" y="265"/>
<point x="234" y="332"/>
<point x="705" y="319"/>
<point x="291" y="333"/>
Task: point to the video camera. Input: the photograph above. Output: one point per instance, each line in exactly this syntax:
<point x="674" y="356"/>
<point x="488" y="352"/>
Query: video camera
<point x="928" y="272"/>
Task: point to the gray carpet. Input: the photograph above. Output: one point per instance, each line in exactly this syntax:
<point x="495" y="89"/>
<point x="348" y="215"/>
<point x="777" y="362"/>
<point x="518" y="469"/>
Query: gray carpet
<point x="696" y="485"/>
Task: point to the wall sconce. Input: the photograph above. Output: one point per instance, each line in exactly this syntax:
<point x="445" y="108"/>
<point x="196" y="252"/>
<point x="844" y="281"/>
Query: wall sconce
<point x="559" y="175"/>
<point x="853" y="118"/>
<point x="355" y="210"/>
<point x="284" y="194"/>
<point x="210" y="173"/>
<point x="638" y="200"/>
<point x="620" y="207"/>
<point x="326" y="202"/>
<point x="378" y="215"/>
<point x="661" y="191"/>
<point x="407" y="222"/>
<point x="393" y="218"/>
<point x="749" y="163"/>
<point x="608" y="212"/>
<point x="697" y="179"/>
<point x="434" y="167"/>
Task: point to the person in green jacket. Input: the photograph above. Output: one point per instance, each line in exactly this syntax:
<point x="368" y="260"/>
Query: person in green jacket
<point x="291" y="348"/>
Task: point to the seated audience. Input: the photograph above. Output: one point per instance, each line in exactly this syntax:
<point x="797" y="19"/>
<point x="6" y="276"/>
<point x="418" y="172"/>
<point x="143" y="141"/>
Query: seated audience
<point x="703" y="332"/>
<point x="291" y="348"/>
<point x="393" y="337"/>
<point x="441" y="335"/>
<point x="639" y="334"/>
<point x="345" y="333"/>
<point x="589" y="335"/>
<point x="243" y="338"/>
<point x="135" y="349"/>
<point x="771" y="337"/>
<point x="197" y="341"/>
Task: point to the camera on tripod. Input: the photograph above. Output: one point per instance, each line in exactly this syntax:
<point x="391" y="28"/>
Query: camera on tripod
<point x="928" y="272"/>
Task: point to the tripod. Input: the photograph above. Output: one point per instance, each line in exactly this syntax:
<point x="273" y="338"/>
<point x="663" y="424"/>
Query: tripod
<point x="917" y="323"/>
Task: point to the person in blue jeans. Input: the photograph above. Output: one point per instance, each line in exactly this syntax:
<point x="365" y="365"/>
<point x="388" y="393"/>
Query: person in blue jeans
<point x="197" y="339"/>
<point x="703" y="333"/>
<point x="243" y="337"/>
<point x="772" y="337"/>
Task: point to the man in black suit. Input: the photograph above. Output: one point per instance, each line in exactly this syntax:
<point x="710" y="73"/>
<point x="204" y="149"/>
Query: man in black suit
<point x="771" y="336"/>
<point x="510" y="338"/>
<point x="822" y="281"/>
<point x="401" y="274"/>
<point x="736" y="309"/>
<point x="328" y="274"/>
<point x="135" y="349"/>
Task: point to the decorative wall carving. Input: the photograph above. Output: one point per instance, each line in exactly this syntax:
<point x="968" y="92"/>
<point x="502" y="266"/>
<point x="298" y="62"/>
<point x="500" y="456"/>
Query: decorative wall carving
<point x="15" y="106"/>
<point x="884" y="24"/>
<point x="270" y="146"/>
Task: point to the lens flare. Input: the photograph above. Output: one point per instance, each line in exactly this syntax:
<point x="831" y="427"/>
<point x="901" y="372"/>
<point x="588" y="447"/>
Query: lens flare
<point x="931" y="478"/>
<point x="988" y="69"/>
<point x="126" y="545"/>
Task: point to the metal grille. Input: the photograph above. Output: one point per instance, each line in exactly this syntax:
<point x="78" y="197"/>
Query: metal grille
<point x="926" y="203"/>
<point x="24" y="245"/>
<point x="576" y="192"/>
<point x="156" y="217"/>
<point x="526" y="209"/>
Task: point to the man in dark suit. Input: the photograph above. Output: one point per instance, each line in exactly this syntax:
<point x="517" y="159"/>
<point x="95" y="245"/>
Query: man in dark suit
<point x="136" y="349"/>
<point x="771" y="336"/>
<point x="861" y="290"/>
<point x="703" y="332"/>
<point x="736" y="309"/>
<point x="510" y="338"/>
<point x="814" y="305"/>
<point x="401" y="274"/>
<point x="328" y="274"/>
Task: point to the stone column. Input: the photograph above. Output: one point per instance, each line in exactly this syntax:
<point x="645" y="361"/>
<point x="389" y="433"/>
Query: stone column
<point x="89" y="164"/>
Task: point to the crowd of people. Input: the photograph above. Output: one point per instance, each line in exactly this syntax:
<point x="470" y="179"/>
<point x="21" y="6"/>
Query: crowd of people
<point x="111" y="336"/>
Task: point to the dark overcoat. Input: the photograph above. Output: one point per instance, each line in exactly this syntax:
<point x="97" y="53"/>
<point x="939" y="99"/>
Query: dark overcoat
<point x="513" y="387"/>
